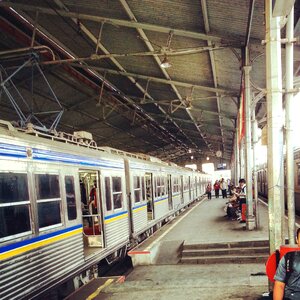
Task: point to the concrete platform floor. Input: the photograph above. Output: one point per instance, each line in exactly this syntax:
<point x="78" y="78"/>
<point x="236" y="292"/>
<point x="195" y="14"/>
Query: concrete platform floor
<point x="204" y="222"/>
<point x="203" y="282"/>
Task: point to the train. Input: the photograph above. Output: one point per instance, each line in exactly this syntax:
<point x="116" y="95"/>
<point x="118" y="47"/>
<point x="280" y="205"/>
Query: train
<point x="262" y="181"/>
<point x="49" y="234"/>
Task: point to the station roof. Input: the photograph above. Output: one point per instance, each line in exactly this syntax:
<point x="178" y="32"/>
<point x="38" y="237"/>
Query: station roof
<point x="103" y="62"/>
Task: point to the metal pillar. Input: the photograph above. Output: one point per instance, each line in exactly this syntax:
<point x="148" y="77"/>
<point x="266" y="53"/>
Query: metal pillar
<point x="289" y="108"/>
<point x="254" y="143"/>
<point x="250" y="221"/>
<point x="275" y="134"/>
<point x="242" y="158"/>
<point x="237" y="157"/>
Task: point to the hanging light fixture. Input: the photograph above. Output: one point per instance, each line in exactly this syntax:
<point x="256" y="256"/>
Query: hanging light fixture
<point x="165" y="63"/>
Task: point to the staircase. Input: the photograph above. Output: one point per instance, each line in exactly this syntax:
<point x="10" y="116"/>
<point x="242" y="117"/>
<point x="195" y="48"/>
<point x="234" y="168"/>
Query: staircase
<point x="230" y="252"/>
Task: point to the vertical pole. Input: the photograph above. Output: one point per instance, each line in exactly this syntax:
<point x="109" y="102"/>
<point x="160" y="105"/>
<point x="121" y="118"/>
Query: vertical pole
<point x="289" y="108"/>
<point x="255" y="141"/>
<point x="242" y="158"/>
<point x="275" y="135"/>
<point x="237" y="157"/>
<point x="250" y="221"/>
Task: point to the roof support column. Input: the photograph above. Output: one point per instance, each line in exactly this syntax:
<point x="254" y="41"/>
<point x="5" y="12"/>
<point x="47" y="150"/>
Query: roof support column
<point x="250" y="221"/>
<point x="242" y="158"/>
<point x="237" y="157"/>
<point x="275" y="127"/>
<point x="254" y="143"/>
<point x="289" y="108"/>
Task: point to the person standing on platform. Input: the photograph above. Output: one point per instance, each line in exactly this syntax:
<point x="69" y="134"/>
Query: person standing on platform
<point x="224" y="188"/>
<point x="217" y="188"/>
<point x="287" y="277"/>
<point x="242" y="196"/>
<point x="208" y="190"/>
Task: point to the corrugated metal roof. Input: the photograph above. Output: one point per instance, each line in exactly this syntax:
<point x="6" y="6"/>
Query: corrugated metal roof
<point x="203" y="116"/>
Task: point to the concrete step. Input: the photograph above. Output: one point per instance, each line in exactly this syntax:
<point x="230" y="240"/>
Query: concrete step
<point x="225" y="251"/>
<point x="248" y="244"/>
<point x="230" y="259"/>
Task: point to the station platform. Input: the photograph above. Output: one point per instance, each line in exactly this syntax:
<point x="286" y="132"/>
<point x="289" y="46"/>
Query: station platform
<point x="162" y="275"/>
<point x="203" y="223"/>
<point x="222" y="268"/>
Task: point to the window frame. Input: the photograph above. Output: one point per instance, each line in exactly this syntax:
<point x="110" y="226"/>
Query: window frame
<point x="74" y="179"/>
<point x="19" y="203"/>
<point x="46" y="228"/>
<point x="108" y="192"/>
<point x="175" y="184"/>
<point x="116" y="193"/>
<point x="139" y="188"/>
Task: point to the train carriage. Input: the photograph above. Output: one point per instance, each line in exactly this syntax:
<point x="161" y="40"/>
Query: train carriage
<point x="64" y="207"/>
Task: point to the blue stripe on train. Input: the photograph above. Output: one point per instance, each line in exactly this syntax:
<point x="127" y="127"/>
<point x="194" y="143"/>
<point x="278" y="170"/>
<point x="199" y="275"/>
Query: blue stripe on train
<point x="115" y="215"/>
<point x="37" y="239"/>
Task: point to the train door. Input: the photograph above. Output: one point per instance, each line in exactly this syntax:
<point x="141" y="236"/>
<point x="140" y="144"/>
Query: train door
<point x="149" y="196"/>
<point x="92" y="211"/>
<point x="169" y="187"/>
<point x="181" y="190"/>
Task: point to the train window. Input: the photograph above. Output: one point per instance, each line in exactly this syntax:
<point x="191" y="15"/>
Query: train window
<point x="143" y="188"/>
<point x="137" y="188"/>
<point x="155" y="187"/>
<point x="70" y="195"/>
<point x="107" y="194"/>
<point x="162" y="186"/>
<point x="47" y="186"/>
<point x="14" y="205"/>
<point x="117" y="192"/>
<point x="186" y="184"/>
<point x="175" y="185"/>
<point x="48" y="200"/>
<point x="298" y="173"/>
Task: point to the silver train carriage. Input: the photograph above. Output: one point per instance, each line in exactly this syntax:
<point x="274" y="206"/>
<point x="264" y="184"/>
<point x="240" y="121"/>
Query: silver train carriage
<point x="262" y="181"/>
<point x="66" y="205"/>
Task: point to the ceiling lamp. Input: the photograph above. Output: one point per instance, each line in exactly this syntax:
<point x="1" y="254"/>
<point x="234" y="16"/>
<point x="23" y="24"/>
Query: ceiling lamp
<point x="165" y="63"/>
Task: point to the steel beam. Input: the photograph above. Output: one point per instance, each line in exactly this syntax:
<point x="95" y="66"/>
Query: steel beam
<point x="91" y="36"/>
<point x="212" y="62"/>
<point x="282" y="7"/>
<point x="160" y="80"/>
<point x="158" y="62"/>
<point x="120" y="22"/>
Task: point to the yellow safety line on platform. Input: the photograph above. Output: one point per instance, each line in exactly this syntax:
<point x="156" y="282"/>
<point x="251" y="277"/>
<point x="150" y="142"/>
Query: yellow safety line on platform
<point x="99" y="289"/>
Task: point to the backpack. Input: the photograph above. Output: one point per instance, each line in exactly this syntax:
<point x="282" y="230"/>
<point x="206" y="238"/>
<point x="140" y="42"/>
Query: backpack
<point x="289" y="260"/>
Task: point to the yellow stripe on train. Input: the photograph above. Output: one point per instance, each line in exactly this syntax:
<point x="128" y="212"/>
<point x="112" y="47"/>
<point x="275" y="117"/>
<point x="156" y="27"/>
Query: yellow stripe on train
<point x="38" y="244"/>
<point x="160" y="201"/>
<point x="140" y="208"/>
<point x="115" y="218"/>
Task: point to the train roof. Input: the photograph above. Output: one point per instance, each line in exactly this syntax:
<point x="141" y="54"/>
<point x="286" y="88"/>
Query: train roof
<point x="66" y="142"/>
